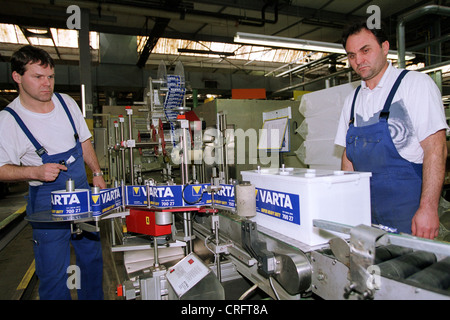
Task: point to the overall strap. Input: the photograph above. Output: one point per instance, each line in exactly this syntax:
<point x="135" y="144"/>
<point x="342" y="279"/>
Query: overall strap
<point x="40" y="150"/>
<point x="352" y="112"/>
<point x="66" y="109"/>
<point x="385" y="112"/>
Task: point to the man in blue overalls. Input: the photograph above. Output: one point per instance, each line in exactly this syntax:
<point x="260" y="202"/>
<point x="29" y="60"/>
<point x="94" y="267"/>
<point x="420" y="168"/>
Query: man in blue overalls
<point x="394" y="126"/>
<point x="44" y="139"/>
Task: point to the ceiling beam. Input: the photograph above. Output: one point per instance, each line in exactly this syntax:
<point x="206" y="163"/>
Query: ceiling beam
<point x="155" y="34"/>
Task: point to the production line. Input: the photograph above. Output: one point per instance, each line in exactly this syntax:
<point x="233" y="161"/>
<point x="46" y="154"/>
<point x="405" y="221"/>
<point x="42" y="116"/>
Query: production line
<point x="291" y="232"/>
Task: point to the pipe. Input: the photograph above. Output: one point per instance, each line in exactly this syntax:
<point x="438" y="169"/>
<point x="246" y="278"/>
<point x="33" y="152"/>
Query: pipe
<point x="122" y="148"/>
<point x="263" y="21"/>
<point x="431" y="9"/>
<point x="130" y="137"/>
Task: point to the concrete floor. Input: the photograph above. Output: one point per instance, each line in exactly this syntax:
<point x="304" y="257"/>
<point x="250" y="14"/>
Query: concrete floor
<point x="17" y="258"/>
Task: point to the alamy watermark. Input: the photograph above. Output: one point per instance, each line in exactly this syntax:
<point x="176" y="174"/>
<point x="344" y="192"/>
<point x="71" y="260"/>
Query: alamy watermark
<point x="74" y="278"/>
<point x="74" y="20"/>
<point x="374" y="20"/>
<point x="246" y="147"/>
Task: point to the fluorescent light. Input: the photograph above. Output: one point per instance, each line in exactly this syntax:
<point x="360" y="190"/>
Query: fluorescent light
<point x="301" y="44"/>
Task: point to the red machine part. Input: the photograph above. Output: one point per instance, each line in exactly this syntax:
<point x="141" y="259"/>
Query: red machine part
<point x="159" y="132"/>
<point x="143" y="221"/>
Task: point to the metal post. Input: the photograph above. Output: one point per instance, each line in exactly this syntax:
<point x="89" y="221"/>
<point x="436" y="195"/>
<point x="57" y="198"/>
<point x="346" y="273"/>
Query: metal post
<point x="130" y="138"/>
<point x="122" y="148"/>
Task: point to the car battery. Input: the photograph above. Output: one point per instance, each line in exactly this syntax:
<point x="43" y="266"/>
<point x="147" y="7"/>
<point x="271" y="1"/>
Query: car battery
<point x="289" y="199"/>
<point x="144" y="222"/>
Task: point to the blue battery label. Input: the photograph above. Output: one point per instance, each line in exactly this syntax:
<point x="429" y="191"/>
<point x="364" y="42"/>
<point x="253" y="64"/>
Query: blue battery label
<point x="137" y="195"/>
<point x="106" y="200"/>
<point x="280" y="205"/>
<point x="225" y="196"/>
<point x="196" y="195"/>
<point x="66" y="203"/>
<point x="166" y="196"/>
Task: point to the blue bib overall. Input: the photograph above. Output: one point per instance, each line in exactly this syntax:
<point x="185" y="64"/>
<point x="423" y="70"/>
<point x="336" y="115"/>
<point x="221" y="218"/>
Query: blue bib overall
<point x="52" y="239"/>
<point x="396" y="183"/>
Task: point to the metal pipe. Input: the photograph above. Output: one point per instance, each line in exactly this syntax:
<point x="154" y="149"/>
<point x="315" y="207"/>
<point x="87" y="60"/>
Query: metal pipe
<point x="155" y="252"/>
<point x="431" y="9"/>
<point x="122" y="148"/>
<point x="117" y="145"/>
<point x="187" y="223"/>
<point x="130" y="137"/>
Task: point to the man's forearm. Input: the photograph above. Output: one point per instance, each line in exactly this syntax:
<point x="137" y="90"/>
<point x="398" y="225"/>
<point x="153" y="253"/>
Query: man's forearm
<point x="46" y="172"/>
<point x="14" y="173"/>
<point x="435" y="157"/>
<point x="89" y="156"/>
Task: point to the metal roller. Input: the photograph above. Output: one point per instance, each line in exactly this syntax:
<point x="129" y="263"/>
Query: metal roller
<point x="406" y="265"/>
<point x="245" y="199"/>
<point x="163" y="218"/>
<point x="435" y="276"/>
<point x="390" y="252"/>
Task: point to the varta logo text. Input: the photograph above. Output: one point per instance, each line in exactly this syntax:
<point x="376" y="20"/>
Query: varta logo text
<point x="275" y="198"/>
<point x="226" y="191"/>
<point x="65" y="199"/>
<point x="162" y="192"/>
<point x="110" y="195"/>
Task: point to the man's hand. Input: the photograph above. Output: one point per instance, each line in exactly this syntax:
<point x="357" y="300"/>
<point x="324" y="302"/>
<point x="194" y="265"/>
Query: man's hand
<point x="425" y="223"/>
<point x="49" y="172"/>
<point x="99" y="182"/>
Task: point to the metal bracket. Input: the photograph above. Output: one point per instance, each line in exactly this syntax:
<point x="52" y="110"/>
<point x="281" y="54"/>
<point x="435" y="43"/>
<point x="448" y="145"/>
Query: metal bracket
<point x="362" y="255"/>
<point x="257" y="249"/>
<point x="83" y="226"/>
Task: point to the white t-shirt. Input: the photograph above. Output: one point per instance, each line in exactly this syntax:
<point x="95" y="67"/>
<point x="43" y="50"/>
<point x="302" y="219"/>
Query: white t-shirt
<point x="416" y="111"/>
<point x="52" y="130"/>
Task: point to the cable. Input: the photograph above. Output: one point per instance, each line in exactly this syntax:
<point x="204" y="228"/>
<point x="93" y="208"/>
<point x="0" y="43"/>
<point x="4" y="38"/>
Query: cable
<point x="273" y="288"/>
<point x="246" y="293"/>
<point x="196" y="201"/>
<point x="206" y="245"/>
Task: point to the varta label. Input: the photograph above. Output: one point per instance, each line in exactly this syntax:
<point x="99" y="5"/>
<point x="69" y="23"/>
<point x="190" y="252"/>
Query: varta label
<point x="95" y="199"/>
<point x="136" y="195"/>
<point x="276" y="198"/>
<point x="162" y="192"/>
<point x="138" y="191"/>
<point x="69" y="203"/>
<point x="110" y="199"/>
<point x="65" y="199"/>
<point x="226" y="191"/>
<point x="196" y="195"/>
<point x="110" y="195"/>
<point x="166" y="196"/>
<point x="225" y="196"/>
<point x="280" y="205"/>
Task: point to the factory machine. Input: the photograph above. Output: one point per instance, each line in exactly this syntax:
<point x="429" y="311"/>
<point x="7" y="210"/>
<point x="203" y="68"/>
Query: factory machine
<point x="290" y="233"/>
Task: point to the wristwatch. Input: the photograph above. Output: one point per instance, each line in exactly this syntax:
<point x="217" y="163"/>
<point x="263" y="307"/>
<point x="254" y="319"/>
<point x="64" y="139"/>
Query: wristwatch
<point x="97" y="174"/>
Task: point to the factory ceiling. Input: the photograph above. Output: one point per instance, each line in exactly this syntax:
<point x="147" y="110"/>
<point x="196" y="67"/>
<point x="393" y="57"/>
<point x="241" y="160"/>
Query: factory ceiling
<point x="205" y="30"/>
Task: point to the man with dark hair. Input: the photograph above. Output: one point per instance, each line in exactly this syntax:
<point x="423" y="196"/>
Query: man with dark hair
<point x="394" y="126"/>
<point x="44" y="140"/>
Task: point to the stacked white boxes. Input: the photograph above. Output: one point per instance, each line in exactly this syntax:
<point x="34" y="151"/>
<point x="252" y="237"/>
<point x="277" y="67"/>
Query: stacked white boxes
<point x="289" y="199"/>
<point x="322" y="110"/>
